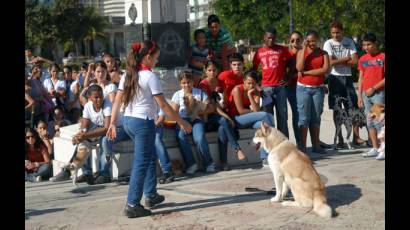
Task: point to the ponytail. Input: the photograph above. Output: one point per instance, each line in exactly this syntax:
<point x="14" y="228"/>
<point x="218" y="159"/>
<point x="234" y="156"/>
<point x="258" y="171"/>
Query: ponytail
<point x="138" y="52"/>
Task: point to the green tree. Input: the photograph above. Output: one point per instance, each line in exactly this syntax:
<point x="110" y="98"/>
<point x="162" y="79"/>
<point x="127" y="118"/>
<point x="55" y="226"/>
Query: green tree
<point x="65" y="22"/>
<point x="248" y="18"/>
<point x="39" y="29"/>
<point x="96" y="25"/>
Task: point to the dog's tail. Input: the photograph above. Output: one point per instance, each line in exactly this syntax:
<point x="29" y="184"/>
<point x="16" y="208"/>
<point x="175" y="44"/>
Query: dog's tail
<point x="320" y="206"/>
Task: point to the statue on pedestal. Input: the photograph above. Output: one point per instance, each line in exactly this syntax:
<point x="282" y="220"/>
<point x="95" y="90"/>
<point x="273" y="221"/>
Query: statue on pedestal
<point x="132" y="13"/>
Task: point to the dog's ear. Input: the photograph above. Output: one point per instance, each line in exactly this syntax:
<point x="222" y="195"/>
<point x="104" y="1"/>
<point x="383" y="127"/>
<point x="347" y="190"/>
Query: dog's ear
<point x="382" y="108"/>
<point x="264" y="127"/>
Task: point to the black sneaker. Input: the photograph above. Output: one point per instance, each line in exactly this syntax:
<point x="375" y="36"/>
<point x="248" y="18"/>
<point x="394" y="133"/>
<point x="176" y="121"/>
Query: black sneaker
<point x="100" y="179"/>
<point x="324" y="145"/>
<point x="225" y="167"/>
<point x="166" y="178"/>
<point x="136" y="211"/>
<point x="152" y="202"/>
<point x="62" y="176"/>
<point x="85" y="178"/>
<point x="341" y="145"/>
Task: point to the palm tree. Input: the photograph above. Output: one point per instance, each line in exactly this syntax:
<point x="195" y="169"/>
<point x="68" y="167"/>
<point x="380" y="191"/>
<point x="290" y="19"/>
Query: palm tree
<point x="96" y="25"/>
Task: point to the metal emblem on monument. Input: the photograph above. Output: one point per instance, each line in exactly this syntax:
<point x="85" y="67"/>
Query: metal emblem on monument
<point x="171" y="43"/>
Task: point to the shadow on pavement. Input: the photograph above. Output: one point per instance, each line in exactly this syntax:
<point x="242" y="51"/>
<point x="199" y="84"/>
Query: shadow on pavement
<point x="334" y="152"/>
<point x="337" y="195"/>
<point x="199" y="204"/>
<point x="33" y="212"/>
<point x="87" y="189"/>
<point x="342" y="194"/>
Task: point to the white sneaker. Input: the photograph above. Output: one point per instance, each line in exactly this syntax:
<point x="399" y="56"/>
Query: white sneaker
<point x="380" y="157"/>
<point x="372" y="153"/>
<point x="211" y="168"/>
<point x="37" y="179"/>
<point x="191" y="170"/>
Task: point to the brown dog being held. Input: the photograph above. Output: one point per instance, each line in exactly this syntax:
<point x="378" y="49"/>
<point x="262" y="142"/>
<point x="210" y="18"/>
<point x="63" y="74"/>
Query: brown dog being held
<point x="194" y="107"/>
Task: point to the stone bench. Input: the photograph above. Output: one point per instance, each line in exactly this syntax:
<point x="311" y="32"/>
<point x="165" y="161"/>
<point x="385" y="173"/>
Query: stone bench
<point x="123" y="152"/>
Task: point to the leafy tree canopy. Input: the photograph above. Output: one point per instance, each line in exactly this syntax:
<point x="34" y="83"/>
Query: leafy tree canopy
<point x="246" y="19"/>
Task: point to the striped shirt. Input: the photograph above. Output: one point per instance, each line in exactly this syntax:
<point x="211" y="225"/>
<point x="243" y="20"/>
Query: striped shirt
<point x="216" y="43"/>
<point x="198" y="54"/>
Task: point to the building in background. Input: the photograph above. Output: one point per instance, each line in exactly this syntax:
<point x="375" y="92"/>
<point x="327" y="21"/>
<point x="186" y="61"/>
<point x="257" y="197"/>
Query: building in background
<point x="118" y="15"/>
<point x="199" y="10"/>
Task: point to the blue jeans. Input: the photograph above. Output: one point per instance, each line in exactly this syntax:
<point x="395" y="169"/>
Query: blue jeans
<point x="106" y="150"/>
<point x="368" y="102"/>
<point x="161" y="151"/>
<point x="276" y="96"/>
<point x="310" y="105"/>
<point x="43" y="170"/>
<point x="198" y="134"/>
<point x="143" y="174"/>
<point x="225" y="135"/>
<point x="254" y="120"/>
<point x="291" y="94"/>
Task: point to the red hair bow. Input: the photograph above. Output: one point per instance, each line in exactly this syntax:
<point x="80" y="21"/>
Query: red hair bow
<point x="136" y="47"/>
<point x="154" y="45"/>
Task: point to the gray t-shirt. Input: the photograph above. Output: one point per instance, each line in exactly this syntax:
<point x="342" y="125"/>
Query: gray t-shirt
<point x="340" y="50"/>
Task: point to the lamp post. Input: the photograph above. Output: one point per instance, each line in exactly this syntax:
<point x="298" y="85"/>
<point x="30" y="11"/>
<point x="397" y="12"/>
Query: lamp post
<point x="290" y="17"/>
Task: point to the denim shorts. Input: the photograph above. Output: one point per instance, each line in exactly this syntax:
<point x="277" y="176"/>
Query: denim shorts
<point x="310" y="105"/>
<point x="368" y="102"/>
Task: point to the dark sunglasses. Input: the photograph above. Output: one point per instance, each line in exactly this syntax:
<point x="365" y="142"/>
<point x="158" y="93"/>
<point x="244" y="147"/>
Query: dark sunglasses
<point x="295" y="40"/>
<point x="28" y="137"/>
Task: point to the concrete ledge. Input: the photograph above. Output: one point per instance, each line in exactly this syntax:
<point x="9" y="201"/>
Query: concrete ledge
<point x="123" y="152"/>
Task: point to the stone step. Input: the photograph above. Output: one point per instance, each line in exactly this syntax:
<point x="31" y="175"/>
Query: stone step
<point x="124" y="150"/>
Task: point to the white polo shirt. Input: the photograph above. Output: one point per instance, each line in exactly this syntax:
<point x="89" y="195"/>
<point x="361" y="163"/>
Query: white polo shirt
<point x="340" y="50"/>
<point x="96" y="118"/>
<point x="143" y="104"/>
<point x="48" y="84"/>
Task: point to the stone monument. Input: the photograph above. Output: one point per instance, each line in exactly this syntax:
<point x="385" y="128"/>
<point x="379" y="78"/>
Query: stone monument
<point x="163" y="21"/>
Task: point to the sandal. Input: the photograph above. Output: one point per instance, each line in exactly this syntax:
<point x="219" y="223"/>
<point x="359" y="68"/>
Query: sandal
<point x="360" y="143"/>
<point x="241" y="156"/>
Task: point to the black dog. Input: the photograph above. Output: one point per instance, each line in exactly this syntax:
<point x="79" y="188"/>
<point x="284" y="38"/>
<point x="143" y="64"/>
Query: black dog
<point x="341" y="117"/>
<point x="348" y="117"/>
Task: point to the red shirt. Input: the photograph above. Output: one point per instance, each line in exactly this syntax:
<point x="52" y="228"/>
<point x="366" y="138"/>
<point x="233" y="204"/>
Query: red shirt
<point x="273" y="62"/>
<point x="373" y="70"/>
<point x="206" y="87"/>
<point x="36" y="155"/>
<point x="294" y="79"/>
<point x="230" y="80"/>
<point x="231" y="107"/>
<point x="313" y="60"/>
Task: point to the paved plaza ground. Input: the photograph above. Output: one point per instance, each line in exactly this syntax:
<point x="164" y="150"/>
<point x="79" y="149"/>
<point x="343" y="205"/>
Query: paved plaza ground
<point x="354" y="185"/>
